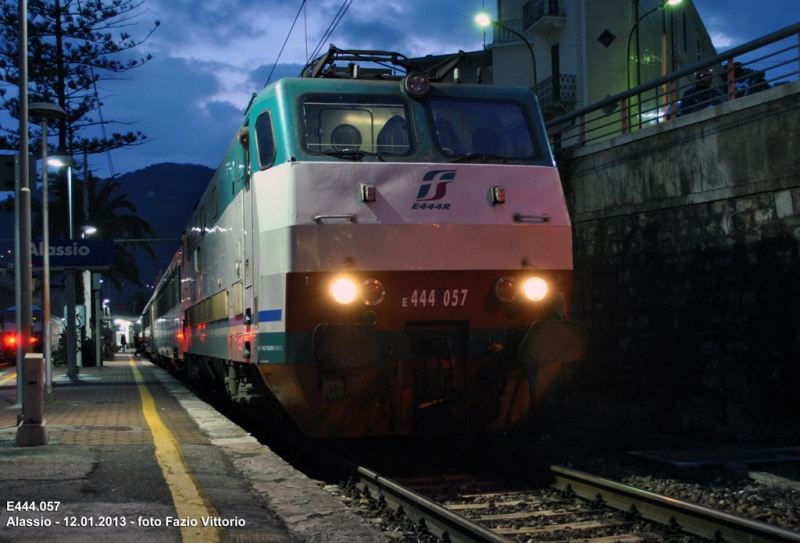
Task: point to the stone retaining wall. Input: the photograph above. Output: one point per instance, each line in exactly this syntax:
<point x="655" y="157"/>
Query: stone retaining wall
<point x="687" y="274"/>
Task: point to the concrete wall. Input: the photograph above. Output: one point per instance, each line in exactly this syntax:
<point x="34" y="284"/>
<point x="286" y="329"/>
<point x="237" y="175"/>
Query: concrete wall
<point x="687" y="273"/>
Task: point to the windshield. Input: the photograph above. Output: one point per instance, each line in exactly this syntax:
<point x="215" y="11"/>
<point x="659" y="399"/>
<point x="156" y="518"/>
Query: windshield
<point x="496" y="129"/>
<point x="346" y="125"/>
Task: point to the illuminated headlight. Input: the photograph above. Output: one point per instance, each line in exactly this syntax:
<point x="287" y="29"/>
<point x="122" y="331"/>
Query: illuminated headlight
<point x="373" y="292"/>
<point x="505" y="289"/>
<point x="535" y="288"/>
<point x="344" y="290"/>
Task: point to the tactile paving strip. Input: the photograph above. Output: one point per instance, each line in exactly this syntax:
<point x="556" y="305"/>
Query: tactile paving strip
<point x="101" y="435"/>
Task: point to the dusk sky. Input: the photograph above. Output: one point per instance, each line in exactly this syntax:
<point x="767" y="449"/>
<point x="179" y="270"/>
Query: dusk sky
<point x="209" y="56"/>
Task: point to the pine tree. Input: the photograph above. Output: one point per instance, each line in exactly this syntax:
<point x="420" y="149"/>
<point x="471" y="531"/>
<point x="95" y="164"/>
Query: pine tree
<point x="72" y="46"/>
<point x="114" y="216"/>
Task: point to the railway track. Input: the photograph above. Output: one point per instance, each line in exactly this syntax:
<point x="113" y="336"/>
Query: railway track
<point x="577" y="506"/>
<point x="567" y="504"/>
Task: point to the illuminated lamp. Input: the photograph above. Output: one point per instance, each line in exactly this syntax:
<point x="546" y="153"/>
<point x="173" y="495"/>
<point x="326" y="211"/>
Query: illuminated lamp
<point x="535" y="288"/>
<point x="344" y="290"/>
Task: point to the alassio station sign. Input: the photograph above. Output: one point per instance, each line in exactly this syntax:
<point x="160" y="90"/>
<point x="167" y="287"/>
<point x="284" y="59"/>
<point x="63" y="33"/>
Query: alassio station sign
<point x="75" y="254"/>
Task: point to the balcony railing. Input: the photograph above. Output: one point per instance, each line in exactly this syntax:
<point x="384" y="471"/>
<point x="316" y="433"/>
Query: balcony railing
<point x="557" y="93"/>
<point x="504" y="35"/>
<point x="534" y="11"/>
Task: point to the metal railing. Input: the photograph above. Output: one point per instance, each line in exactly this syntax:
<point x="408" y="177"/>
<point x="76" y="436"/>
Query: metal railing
<point x="763" y="63"/>
<point x="534" y="10"/>
<point x="559" y="88"/>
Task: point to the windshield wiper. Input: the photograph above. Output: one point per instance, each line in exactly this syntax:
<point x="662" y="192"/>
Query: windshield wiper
<point x="352" y="154"/>
<point x="347" y="154"/>
<point x="484" y="157"/>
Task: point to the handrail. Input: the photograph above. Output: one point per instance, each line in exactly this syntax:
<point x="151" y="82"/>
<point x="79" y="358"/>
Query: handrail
<point x="672" y="78"/>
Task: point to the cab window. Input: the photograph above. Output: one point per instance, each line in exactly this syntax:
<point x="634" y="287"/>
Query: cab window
<point x="483" y="127"/>
<point x="265" y="141"/>
<point x="355" y="125"/>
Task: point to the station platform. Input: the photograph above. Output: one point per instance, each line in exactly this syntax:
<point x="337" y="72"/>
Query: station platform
<point x="132" y="455"/>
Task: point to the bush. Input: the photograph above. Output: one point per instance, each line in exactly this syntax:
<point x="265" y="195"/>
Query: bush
<point x="84" y="345"/>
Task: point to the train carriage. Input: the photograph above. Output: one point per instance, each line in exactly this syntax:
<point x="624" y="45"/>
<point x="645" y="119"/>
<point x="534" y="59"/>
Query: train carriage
<point x="38" y="331"/>
<point x="380" y="255"/>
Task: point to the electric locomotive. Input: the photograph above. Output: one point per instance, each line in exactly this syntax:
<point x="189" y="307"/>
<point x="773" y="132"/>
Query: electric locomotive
<point x="377" y="254"/>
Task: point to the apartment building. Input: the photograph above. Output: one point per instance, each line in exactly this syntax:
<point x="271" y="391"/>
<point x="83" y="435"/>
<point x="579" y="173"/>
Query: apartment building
<point x="587" y="50"/>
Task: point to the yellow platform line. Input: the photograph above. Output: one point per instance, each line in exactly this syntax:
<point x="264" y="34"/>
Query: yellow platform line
<point x="187" y="495"/>
<point x="5" y="380"/>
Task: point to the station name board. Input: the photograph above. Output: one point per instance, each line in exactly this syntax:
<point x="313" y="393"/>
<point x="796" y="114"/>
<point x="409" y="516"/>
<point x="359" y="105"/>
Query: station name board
<point x="78" y="254"/>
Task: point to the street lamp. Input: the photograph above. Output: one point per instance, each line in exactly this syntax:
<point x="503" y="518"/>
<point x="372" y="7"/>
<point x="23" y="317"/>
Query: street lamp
<point x="662" y="5"/>
<point x="89" y="295"/>
<point x="72" y="347"/>
<point x="484" y="20"/>
<point x="46" y="111"/>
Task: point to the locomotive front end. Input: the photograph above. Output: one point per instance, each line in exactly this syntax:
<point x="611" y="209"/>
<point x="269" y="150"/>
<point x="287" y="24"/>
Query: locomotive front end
<point x="426" y="278"/>
<point x="376" y="255"/>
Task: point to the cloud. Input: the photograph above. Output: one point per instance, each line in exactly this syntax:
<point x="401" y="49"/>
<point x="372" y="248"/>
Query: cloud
<point x="171" y="101"/>
<point x="721" y="40"/>
<point x="209" y="57"/>
<point x="270" y="72"/>
<point x="737" y="22"/>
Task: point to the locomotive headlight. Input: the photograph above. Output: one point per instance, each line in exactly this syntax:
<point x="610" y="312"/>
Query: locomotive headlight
<point x="373" y="292"/>
<point x="344" y="290"/>
<point x="535" y="288"/>
<point x="505" y="289"/>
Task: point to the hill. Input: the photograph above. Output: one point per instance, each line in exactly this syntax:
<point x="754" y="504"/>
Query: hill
<point x="164" y="195"/>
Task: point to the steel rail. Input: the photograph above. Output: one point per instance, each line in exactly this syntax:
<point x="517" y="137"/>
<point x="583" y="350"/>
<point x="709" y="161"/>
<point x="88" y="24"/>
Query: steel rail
<point x="692" y="518"/>
<point x="438" y="518"/>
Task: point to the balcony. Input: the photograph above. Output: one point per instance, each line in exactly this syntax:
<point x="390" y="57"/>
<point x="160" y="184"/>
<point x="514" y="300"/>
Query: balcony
<point x="504" y="35"/>
<point x="556" y="95"/>
<point x="542" y="16"/>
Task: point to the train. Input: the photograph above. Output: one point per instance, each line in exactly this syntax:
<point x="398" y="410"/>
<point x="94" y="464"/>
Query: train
<point x="37" y="337"/>
<point x="380" y="253"/>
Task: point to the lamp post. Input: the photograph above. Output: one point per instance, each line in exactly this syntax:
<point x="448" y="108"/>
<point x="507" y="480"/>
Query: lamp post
<point x="22" y="208"/>
<point x="72" y="347"/>
<point x="484" y="20"/>
<point x="662" y="5"/>
<point x="45" y="112"/>
<point x="86" y="231"/>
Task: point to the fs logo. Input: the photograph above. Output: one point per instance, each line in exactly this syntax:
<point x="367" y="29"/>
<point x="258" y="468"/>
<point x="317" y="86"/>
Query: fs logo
<point x="444" y="177"/>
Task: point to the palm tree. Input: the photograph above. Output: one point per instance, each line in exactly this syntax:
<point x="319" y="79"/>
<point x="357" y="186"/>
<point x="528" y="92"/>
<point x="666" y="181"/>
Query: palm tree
<point x="114" y="216"/>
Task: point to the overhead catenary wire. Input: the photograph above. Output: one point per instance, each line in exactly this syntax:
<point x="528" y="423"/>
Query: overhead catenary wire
<point x="331" y="27"/>
<point x="288" y="34"/>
